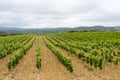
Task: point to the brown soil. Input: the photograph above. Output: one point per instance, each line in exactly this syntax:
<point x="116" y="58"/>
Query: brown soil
<point x="3" y="66"/>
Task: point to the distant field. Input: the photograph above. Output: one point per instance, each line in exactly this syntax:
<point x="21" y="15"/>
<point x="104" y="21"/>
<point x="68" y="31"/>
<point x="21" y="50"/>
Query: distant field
<point x="61" y="56"/>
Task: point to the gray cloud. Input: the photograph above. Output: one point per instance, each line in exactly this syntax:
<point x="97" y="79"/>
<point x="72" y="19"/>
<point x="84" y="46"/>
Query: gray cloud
<point x="59" y="13"/>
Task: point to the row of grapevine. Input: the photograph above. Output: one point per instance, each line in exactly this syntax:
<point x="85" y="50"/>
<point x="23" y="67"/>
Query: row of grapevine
<point x="66" y="61"/>
<point x="38" y="56"/>
<point x="92" y="52"/>
<point x="92" y="60"/>
<point x="14" y="60"/>
<point x="63" y="45"/>
<point x="8" y="48"/>
<point x="12" y="39"/>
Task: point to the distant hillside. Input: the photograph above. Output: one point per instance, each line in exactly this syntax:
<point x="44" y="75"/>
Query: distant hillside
<point x="48" y="30"/>
<point x="97" y="28"/>
<point x="7" y="30"/>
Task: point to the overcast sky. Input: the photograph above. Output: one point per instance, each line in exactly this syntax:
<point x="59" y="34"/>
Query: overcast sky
<point x="59" y="13"/>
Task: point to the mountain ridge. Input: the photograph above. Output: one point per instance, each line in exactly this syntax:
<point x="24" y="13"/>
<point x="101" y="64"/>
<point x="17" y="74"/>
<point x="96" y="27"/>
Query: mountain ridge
<point x="59" y="29"/>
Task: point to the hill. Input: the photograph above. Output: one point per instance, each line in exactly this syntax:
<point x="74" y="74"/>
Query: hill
<point x="8" y="30"/>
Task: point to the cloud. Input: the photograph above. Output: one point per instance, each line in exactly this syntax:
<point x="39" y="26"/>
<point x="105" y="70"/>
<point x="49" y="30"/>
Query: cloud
<point x="59" y="13"/>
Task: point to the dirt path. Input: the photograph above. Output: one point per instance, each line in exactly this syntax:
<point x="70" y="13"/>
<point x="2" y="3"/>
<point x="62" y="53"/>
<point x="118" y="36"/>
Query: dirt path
<point x="112" y="71"/>
<point x="51" y="68"/>
<point x="26" y="69"/>
<point x="80" y="71"/>
<point x="3" y="66"/>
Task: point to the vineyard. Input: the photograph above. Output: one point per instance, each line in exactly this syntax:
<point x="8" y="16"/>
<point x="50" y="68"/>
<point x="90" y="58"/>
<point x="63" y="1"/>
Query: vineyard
<point x="61" y="56"/>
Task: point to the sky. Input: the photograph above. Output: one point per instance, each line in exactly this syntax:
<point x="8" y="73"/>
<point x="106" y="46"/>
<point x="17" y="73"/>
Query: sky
<point x="59" y="13"/>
